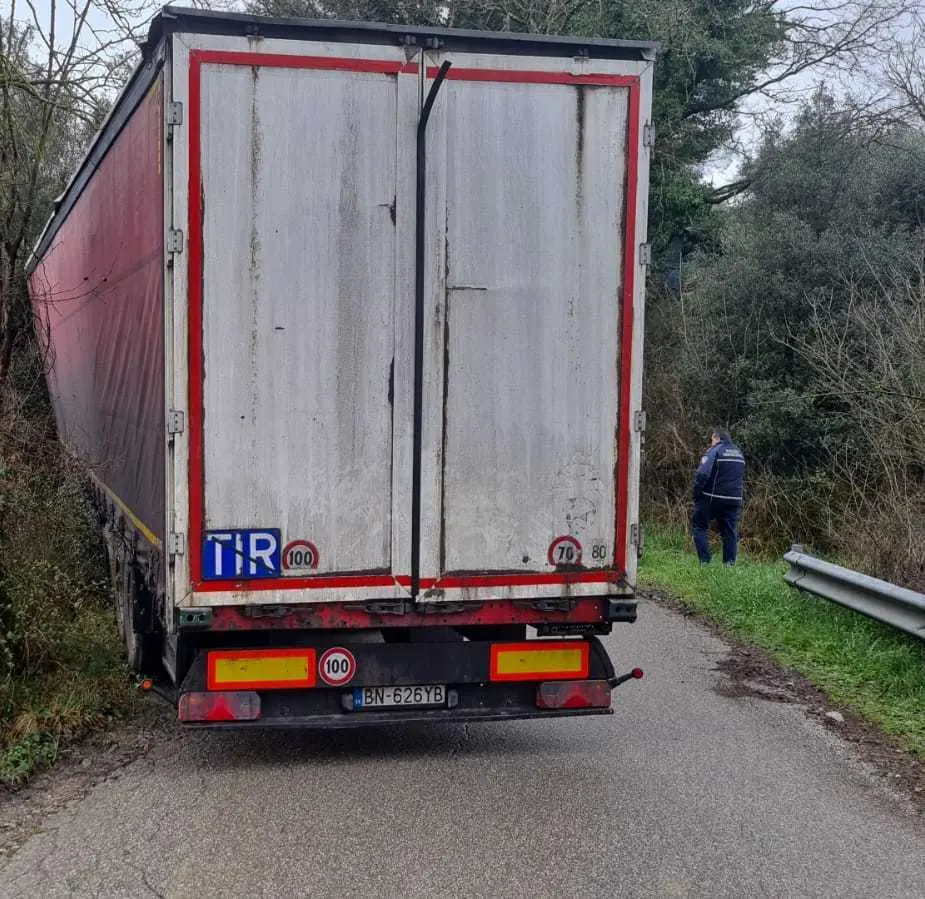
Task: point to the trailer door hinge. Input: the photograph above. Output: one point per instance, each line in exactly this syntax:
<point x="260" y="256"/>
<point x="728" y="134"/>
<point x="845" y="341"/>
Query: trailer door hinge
<point x="648" y="135"/>
<point x="175" y="422"/>
<point x="645" y="254"/>
<point x="639" y="421"/>
<point x="175" y="544"/>
<point x="174" y="116"/>
<point x="634" y="534"/>
<point x="174" y="241"/>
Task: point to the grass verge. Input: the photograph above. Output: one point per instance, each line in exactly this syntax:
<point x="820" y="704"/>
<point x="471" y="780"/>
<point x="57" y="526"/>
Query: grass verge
<point x="859" y="663"/>
<point x="87" y="688"/>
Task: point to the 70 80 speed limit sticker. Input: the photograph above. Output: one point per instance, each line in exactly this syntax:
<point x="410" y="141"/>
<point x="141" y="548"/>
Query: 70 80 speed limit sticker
<point x="337" y="666"/>
<point x="564" y="550"/>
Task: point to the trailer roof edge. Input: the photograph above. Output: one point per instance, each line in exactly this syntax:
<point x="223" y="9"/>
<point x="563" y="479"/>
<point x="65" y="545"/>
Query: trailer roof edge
<point x="177" y="19"/>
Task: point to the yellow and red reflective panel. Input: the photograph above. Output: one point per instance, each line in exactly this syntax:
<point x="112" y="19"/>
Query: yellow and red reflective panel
<point x="540" y="660"/>
<point x="261" y="669"/>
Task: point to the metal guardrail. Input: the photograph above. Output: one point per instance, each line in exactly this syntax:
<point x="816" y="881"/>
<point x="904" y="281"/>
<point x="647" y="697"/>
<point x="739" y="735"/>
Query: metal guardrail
<point x="896" y="606"/>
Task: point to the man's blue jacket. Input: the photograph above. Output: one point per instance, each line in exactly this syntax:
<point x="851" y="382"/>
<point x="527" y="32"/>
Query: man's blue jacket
<point x="721" y="474"/>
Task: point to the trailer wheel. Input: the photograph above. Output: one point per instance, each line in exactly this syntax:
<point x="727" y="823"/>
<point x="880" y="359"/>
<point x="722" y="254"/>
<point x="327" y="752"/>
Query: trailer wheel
<point x="141" y="650"/>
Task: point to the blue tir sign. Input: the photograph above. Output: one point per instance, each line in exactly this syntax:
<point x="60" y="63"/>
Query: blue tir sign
<point x="241" y="555"/>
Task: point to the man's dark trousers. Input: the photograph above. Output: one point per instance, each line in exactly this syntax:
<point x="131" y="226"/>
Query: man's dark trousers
<point x="726" y="515"/>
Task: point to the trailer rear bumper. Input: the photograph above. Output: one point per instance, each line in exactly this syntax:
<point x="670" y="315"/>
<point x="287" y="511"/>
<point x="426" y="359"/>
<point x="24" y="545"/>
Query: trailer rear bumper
<point x="388" y="719"/>
<point x="420" y="683"/>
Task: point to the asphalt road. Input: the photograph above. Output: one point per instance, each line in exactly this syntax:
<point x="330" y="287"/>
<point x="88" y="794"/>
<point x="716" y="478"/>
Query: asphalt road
<point x="686" y="791"/>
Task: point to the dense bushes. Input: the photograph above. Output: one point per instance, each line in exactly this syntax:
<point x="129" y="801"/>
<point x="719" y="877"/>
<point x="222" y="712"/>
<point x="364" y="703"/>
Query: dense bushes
<point x="60" y="657"/>
<point x="51" y="563"/>
<point x="804" y="332"/>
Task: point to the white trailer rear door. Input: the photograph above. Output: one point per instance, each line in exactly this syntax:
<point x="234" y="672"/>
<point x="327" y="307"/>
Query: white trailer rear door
<point x="302" y="325"/>
<point x="527" y="380"/>
<point x="297" y="161"/>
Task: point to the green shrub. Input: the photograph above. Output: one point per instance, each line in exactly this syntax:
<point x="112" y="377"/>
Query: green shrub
<point x="61" y="666"/>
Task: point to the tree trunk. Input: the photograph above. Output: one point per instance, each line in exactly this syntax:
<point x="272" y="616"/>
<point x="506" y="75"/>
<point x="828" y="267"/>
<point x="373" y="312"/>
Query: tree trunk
<point x="7" y="300"/>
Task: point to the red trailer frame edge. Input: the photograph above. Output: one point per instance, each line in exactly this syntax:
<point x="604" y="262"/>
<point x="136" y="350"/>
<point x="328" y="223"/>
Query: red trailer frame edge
<point x="357" y="616"/>
<point x="196" y="473"/>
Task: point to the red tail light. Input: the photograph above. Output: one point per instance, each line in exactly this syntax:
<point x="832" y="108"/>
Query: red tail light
<point x="573" y="694"/>
<point x="237" y="706"/>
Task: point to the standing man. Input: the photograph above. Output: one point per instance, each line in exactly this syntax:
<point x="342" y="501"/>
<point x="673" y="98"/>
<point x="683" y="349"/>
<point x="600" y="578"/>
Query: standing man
<point x="718" y="496"/>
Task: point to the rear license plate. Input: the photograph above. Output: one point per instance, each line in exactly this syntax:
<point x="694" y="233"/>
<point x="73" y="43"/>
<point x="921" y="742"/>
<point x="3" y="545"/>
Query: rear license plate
<point x="398" y="697"/>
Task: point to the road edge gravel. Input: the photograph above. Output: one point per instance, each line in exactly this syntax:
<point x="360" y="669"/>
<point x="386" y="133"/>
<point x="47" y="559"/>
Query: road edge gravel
<point x="751" y="671"/>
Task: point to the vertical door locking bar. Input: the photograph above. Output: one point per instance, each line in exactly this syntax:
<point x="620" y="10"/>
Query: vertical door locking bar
<point x="419" y="262"/>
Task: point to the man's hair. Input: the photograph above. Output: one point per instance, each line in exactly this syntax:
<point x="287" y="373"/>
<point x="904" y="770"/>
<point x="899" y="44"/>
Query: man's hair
<point x="723" y="434"/>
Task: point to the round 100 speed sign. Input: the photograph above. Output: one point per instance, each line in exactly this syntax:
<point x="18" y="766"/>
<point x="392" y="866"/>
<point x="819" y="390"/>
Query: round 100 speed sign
<point x="337" y="666"/>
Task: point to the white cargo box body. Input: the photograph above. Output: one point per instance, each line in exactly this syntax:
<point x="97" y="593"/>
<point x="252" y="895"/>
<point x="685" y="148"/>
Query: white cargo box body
<point x="292" y="320"/>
